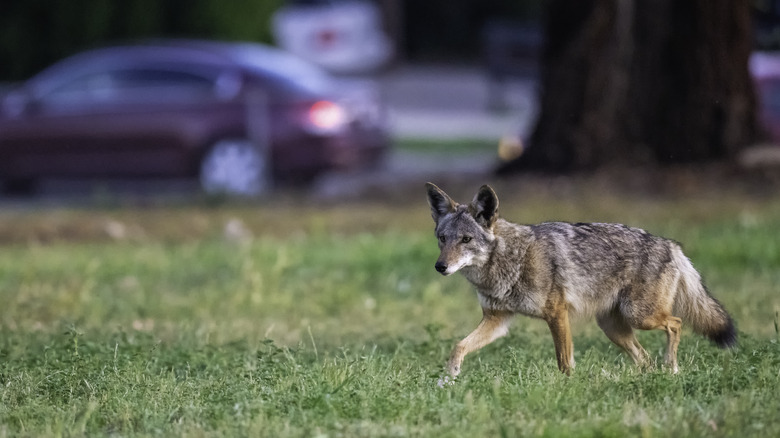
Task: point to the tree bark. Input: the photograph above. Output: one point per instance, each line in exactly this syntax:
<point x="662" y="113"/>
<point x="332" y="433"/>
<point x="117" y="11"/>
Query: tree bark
<point x="635" y="82"/>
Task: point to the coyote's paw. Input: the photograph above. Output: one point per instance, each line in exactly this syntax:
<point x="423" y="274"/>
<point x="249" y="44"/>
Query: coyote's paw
<point x="445" y="381"/>
<point x="453" y="369"/>
<point x="672" y="368"/>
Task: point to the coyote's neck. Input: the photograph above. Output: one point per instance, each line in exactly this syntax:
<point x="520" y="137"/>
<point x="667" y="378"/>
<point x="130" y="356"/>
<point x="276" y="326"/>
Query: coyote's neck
<point x="505" y="263"/>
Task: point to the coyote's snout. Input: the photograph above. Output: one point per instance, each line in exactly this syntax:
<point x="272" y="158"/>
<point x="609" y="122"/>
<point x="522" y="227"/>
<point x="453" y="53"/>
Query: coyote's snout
<point x="625" y="277"/>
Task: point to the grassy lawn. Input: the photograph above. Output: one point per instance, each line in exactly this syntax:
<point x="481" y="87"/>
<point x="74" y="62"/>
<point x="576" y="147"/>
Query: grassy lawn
<point x="457" y="147"/>
<point x="296" y="320"/>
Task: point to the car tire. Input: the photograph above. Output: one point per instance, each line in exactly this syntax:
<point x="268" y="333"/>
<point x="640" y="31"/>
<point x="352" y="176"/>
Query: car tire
<point x="235" y="167"/>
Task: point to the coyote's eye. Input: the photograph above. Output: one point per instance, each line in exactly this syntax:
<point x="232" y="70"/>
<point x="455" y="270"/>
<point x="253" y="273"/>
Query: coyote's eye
<point x="465" y="239"/>
<point x="442" y="239"/>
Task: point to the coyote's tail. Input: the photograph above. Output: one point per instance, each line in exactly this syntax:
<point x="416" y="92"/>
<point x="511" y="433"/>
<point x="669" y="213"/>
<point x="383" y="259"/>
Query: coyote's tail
<point x="696" y="306"/>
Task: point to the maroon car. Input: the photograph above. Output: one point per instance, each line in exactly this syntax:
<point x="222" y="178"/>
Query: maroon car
<point x="236" y="115"/>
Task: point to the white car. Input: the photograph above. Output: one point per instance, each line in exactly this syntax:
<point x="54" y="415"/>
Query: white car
<point x="340" y="36"/>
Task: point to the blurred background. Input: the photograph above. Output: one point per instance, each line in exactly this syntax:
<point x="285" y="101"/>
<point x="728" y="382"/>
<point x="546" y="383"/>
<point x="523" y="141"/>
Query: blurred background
<point x="340" y="97"/>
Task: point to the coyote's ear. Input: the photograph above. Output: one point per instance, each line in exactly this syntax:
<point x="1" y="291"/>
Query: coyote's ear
<point x="484" y="207"/>
<point x="440" y="203"/>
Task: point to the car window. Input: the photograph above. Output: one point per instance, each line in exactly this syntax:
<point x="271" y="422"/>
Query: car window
<point x="160" y="79"/>
<point x="132" y="84"/>
<point x="81" y="87"/>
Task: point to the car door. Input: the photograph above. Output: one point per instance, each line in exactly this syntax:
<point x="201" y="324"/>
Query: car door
<point x="135" y="121"/>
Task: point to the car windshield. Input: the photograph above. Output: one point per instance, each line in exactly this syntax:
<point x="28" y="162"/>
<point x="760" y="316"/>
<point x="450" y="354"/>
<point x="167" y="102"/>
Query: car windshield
<point x="283" y="66"/>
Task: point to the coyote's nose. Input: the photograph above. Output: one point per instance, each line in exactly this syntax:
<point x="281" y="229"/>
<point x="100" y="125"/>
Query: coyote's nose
<point x="441" y="267"/>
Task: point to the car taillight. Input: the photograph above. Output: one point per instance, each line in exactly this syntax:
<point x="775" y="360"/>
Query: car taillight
<point x="327" y="117"/>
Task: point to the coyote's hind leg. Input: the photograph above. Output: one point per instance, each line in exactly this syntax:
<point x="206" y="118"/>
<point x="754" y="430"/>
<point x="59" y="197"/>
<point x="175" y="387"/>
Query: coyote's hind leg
<point x="621" y="334"/>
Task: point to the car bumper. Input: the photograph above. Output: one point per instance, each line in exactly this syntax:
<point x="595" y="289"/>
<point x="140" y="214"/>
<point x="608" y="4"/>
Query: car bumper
<point x="330" y="153"/>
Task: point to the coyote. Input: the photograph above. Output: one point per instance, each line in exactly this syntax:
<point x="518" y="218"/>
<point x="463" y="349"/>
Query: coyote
<point x="626" y="277"/>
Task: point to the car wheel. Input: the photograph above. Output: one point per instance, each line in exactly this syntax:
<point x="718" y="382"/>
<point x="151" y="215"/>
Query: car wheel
<point x="235" y="167"/>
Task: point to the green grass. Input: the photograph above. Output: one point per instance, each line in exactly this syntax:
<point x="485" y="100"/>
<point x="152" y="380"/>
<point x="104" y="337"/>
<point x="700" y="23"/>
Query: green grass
<point x="332" y="322"/>
<point x="449" y="147"/>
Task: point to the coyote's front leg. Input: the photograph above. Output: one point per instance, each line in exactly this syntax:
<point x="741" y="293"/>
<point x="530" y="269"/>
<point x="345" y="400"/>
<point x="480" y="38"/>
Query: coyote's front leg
<point x="494" y="324"/>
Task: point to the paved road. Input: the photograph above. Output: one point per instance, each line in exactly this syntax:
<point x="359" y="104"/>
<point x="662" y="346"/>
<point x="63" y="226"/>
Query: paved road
<point x="446" y="102"/>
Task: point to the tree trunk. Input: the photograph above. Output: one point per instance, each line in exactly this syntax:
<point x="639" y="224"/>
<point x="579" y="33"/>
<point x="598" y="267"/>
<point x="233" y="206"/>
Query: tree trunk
<point x="634" y="81"/>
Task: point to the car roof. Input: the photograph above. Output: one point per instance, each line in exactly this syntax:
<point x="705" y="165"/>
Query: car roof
<point x="253" y="58"/>
<point x="261" y="59"/>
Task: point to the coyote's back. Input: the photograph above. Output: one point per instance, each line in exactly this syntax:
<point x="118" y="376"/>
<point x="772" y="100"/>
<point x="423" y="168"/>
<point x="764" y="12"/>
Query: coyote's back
<point x="602" y="266"/>
<point x="626" y="277"/>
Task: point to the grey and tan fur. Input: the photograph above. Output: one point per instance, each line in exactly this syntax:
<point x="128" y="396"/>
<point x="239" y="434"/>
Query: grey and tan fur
<point x="625" y="277"/>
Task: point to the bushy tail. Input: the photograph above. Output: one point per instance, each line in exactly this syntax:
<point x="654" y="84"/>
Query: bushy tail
<point x="697" y="307"/>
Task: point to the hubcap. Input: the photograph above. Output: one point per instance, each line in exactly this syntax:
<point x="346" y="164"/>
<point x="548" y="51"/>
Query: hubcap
<point x="234" y="167"/>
